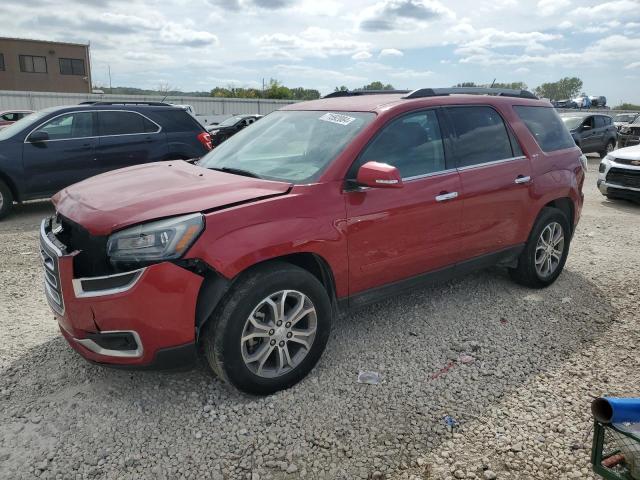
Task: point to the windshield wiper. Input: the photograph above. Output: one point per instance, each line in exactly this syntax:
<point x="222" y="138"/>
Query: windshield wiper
<point x="236" y="171"/>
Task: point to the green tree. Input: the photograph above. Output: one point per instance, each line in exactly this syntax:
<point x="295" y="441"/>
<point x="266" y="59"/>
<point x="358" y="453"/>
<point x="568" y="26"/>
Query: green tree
<point x="341" y="88"/>
<point x="466" y="84"/>
<point x="564" y="88"/>
<point x="377" y="85"/>
<point x="627" y="106"/>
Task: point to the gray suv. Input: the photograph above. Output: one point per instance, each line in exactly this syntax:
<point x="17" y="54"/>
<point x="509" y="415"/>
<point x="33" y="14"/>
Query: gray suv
<point x="592" y="132"/>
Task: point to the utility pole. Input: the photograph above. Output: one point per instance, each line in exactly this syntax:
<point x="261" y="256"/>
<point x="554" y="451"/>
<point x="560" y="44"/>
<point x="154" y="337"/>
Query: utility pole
<point x="262" y="87"/>
<point x="110" y="87"/>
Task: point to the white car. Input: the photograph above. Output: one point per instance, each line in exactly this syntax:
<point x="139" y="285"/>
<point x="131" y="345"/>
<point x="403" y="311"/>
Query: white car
<point x="619" y="174"/>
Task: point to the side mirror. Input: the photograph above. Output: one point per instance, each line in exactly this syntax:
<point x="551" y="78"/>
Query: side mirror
<point x="379" y="175"/>
<point x="38" y="136"/>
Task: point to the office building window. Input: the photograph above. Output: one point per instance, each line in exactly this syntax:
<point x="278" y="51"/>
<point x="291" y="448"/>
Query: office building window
<point x="72" y="66"/>
<point x="31" y="64"/>
<point x="1" y="61"/>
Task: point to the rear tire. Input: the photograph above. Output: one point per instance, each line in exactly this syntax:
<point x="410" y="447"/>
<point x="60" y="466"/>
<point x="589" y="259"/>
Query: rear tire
<point x="6" y="200"/>
<point x="545" y="252"/>
<point x="259" y="315"/>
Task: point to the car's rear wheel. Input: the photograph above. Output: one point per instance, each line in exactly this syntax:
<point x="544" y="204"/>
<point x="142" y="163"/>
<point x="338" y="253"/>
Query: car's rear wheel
<point x="546" y="250"/>
<point x="6" y="199"/>
<point x="270" y="330"/>
<point x="610" y="147"/>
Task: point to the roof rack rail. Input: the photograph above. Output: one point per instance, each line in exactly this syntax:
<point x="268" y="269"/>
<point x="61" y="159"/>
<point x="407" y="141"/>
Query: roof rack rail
<point x="355" y="93"/>
<point x="151" y="104"/>
<point x="502" y="92"/>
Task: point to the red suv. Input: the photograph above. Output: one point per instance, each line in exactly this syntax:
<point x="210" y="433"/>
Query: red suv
<point x="318" y="208"/>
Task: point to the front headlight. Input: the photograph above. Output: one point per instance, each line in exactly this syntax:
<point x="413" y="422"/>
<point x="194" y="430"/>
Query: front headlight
<point x="155" y="241"/>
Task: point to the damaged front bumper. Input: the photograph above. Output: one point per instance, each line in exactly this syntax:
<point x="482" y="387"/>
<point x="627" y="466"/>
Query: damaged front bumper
<point x="144" y="318"/>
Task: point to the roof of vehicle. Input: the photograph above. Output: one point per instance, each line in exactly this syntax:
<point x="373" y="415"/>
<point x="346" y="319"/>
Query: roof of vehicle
<point x="111" y="106"/>
<point x="383" y="102"/>
<point x="583" y="114"/>
<point x="15" y="110"/>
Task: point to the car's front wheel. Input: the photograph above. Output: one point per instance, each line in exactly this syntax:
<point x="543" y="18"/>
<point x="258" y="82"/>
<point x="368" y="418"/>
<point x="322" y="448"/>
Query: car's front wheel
<point x="270" y="330"/>
<point x="6" y="200"/>
<point x="546" y="250"/>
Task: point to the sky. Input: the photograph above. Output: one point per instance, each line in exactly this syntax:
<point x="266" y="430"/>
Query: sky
<point x="200" y="44"/>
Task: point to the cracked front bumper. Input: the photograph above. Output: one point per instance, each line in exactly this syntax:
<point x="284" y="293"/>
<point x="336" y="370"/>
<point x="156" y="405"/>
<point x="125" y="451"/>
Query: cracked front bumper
<point x="133" y="319"/>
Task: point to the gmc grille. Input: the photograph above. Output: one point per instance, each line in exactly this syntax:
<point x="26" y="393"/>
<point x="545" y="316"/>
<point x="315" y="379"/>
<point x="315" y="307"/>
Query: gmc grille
<point x="624" y="178"/>
<point x="52" y="285"/>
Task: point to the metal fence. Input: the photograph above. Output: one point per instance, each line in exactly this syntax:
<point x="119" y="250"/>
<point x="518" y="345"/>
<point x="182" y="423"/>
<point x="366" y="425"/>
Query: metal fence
<point x="205" y="106"/>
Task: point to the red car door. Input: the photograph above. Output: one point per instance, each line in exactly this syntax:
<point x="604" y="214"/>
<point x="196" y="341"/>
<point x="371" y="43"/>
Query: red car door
<point x="397" y="233"/>
<point x="495" y="178"/>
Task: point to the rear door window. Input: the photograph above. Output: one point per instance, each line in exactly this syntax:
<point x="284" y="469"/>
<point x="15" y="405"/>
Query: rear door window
<point x="124" y="123"/>
<point x="479" y="136"/>
<point x="412" y="144"/>
<point x="547" y="128"/>
<point x="600" y="122"/>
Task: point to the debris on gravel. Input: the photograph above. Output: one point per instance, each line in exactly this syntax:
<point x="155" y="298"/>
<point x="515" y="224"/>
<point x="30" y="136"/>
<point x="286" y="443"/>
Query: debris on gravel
<point x="538" y="358"/>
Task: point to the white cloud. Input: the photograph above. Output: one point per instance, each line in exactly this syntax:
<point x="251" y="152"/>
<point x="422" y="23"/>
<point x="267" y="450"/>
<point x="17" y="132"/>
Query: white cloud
<point x="565" y="24"/>
<point x="311" y="72"/>
<point x="551" y="7"/>
<point x="393" y="15"/>
<point x="391" y="52"/>
<point x="312" y="42"/>
<point x="606" y="10"/>
<point x="362" y="55"/>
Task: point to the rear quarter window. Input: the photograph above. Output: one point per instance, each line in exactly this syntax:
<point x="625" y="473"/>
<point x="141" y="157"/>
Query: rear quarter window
<point x="547" y="128"/>
<point x="177" y="120"/>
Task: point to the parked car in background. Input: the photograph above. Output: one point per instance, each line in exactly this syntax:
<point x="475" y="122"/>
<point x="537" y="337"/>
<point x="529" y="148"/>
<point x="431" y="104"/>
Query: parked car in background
<point x="229" y="127"/>
<point x="591" y="132"/>
<point x="619" y="174"/>
<point x="7" y="117"/>
<point x="598" y="101"/>
<point x="320" y="207"/>
<point x="622" y="119"/>
<point x="564" y="103"/>
<point x="56" y="147"/>
<point x="629" y="134"/>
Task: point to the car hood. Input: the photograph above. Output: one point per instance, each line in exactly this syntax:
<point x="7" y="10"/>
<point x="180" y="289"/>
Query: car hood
<point x="114" y="200"/>
<point x="627" y="153"/>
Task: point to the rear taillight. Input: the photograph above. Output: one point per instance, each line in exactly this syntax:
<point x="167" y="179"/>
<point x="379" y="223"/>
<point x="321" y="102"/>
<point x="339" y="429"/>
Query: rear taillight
<point x="205" y="139"/>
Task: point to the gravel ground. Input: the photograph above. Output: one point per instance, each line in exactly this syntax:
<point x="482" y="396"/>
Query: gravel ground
<point x="516" y="368"/>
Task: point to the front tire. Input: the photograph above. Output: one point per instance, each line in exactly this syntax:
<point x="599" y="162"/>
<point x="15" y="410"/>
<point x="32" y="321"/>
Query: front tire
<point x="6" y="200"/>
<point x="270" y="330"/>
<point x="610" y="147"/>
<point x="545" y="252"/>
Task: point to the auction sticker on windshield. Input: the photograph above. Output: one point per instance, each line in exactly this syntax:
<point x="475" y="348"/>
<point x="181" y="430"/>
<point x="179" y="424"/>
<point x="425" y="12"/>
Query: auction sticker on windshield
<point x="337" y="118"/>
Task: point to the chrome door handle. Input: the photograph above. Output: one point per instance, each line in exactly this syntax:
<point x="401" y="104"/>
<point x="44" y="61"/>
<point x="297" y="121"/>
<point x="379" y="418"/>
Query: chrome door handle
<point x="522" y="179"/>
<point x="446" y="196"/>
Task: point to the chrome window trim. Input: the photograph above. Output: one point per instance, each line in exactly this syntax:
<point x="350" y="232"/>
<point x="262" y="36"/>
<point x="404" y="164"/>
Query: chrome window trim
<point x="491" y="163"/>
<point x="79" y="292"/>
<point x="94" y="136"/>
<point x="94" y="347"/>
<point x="427" y="175"/>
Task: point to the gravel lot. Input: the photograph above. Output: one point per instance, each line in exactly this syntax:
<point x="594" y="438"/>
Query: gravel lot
<point x="522" y="400"/>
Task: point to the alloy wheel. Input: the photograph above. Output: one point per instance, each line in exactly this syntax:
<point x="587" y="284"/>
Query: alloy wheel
<point x="610" y="147"/>
<point x="549" y="249"/>
<point x="279" y="333"/>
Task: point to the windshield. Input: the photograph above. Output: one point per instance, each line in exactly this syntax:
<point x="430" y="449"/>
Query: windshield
<point x="293" y="146"/>
<point x="572" y="122"/>
<point x="21" y="124"/>
<point x="624" y="117"/>
<point x="229" y="121"/>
